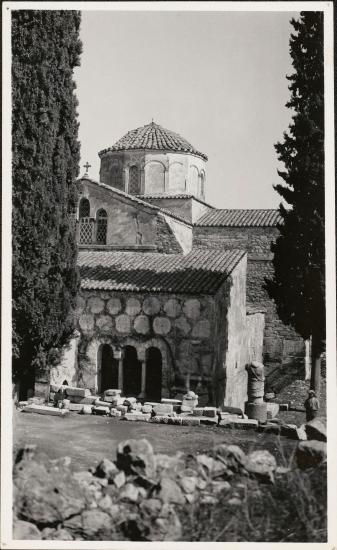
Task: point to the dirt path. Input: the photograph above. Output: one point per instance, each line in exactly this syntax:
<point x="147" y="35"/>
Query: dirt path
<point x="87" y="439"/>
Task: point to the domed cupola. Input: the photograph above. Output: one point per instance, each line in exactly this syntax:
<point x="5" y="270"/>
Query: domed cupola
<point x="154" y="161"/>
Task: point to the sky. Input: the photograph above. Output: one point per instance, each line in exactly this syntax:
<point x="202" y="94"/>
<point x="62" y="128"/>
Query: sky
<point x="216" y="78"/>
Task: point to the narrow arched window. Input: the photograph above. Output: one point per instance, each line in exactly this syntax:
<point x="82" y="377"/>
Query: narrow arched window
<point x="102" y="222"/>
<point x="202" y="185"/>
<point x="134" y="183"/>
<point x="84" y="208"/>
<point x="116" y="177"/>
<point x="86" y="224"/>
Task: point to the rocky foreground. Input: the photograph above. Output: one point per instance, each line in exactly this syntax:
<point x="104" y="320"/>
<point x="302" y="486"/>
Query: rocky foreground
<point x="139" y="495"/>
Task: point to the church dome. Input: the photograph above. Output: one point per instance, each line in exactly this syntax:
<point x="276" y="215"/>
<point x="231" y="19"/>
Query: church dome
<point x="154" y="137"/>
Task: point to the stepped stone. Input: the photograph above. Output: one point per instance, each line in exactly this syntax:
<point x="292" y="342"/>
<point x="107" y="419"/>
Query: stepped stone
<point x="210" y="412"/>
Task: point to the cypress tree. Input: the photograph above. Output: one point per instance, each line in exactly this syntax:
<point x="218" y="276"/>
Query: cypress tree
<point x="45" y="50"/>
<point x="298" y="285"/>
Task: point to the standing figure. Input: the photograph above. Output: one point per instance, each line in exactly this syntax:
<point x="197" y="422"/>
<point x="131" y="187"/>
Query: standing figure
<point x="311" y="405"/>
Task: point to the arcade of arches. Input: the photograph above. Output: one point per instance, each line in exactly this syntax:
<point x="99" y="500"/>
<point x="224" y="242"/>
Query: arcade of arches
<point x="124" y="370"/>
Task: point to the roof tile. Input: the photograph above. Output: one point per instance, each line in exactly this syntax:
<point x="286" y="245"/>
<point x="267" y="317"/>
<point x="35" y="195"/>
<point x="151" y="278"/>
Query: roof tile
<point x="240" y="218"/>
<point x="153" y="136"/>
<point x="198" y="272"/>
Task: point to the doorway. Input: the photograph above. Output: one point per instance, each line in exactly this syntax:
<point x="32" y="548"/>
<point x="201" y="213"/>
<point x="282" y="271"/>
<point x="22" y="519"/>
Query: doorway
<point x="132" y="372"/>
<point x="109" y="369"/>
<point x="153" y="374"/>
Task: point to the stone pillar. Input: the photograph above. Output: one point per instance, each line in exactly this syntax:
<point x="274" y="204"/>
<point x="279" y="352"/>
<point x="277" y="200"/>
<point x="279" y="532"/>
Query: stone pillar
<point x="256" y="408"/>
<point x="118" y="356"/>
<point x="143" y="381"/>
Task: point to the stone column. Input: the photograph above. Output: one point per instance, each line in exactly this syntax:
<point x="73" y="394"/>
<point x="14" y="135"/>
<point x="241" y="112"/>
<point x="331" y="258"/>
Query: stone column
<point x="118" y="356"/>
<point x="143" y="381"/>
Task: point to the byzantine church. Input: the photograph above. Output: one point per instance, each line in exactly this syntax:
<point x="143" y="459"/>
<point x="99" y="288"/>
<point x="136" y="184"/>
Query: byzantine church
<point x="172" y="293"/>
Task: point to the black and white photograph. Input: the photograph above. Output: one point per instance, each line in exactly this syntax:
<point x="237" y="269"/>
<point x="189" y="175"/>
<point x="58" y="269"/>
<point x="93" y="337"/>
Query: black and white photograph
<point x="168" y="296"/>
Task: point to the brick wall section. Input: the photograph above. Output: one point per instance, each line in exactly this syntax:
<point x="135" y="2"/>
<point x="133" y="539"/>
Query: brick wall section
<point x="281" y="343"/>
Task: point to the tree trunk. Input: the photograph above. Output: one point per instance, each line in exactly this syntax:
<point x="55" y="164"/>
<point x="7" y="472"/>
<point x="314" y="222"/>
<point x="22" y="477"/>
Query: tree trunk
<point x="315" y="381"/>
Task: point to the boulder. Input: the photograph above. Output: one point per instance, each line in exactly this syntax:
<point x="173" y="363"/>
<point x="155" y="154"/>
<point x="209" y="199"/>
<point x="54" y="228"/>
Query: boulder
<point x="168" y="466"/>
<point x="289" y="430"/>
<point x="24" y="530"/>
<point x="169" y="491"/>
<point x="135" y="456"/>
<point x="301" y="433"/>
<point x="316" y="429"/>
<point x="95" y="523"/>
<point x="261" y="464"/>
<point x="46" y="492"/>
<point x="311" y="453"/>
<point x="129" y="492"/>
<point x="106" y="469"/>
<point x="189" y="484"/>
<point x="56" y="534"/>
<point x="231" y="456"/>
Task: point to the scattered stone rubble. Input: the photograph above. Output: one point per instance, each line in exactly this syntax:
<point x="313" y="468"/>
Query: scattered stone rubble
<point x="185" y="412"/>
<point x="136" y="495"/>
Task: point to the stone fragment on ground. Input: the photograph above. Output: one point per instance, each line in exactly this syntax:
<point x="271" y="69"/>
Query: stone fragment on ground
<point x="135" y="456"/>
<point x="137" y="417"/>
<point x="238" y="423"/>
<point x="101" y="411"/>
<point x="44" y="409"/>
<point x="272" y="410"/>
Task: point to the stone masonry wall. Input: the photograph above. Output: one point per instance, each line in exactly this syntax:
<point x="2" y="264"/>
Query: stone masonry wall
<point x="181" y="326"/>
<point x="254" y="336"/>
<point x="282" y="345"/>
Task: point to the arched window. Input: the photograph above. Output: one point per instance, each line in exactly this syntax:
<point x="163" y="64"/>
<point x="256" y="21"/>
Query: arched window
<point x="202" y="185"/>
<point x="86" y="224"/>
<point x="116" y="177"/>
<point x="102" y="221"/>
<point x="134" y="183"/>
<point x="84" y="208"/>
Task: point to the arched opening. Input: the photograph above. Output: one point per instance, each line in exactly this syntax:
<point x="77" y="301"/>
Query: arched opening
<point x="86" y="224"/>
<point x="132" y="372"/>
<point x="202" y="185"/>
<point x="108" y="369"/>
<point x="153" y="374"/>
<point x="102" y="222"/>
<point x="134" y="184"/>
<point x="116" y="177"/>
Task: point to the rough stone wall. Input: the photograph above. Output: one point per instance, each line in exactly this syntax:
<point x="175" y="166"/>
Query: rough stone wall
<point x="180" y="325"/>
<point x="282" y="345"/>
<point x="182" y="234"/>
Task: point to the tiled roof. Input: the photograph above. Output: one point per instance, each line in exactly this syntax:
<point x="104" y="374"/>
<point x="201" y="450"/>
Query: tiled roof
<point x="241" y="218"/>
<point x="134" y="198"/>
<point x="198" y="272"/>
<point x="153" y="136"/>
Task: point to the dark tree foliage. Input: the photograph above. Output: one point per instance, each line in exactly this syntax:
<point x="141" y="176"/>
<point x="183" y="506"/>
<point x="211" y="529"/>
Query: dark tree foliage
<point x="45" y="50"/>
<point x="298" y="286"/>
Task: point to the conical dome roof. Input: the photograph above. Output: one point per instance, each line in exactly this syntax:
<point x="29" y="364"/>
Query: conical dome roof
<point x="152" y="136"/>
